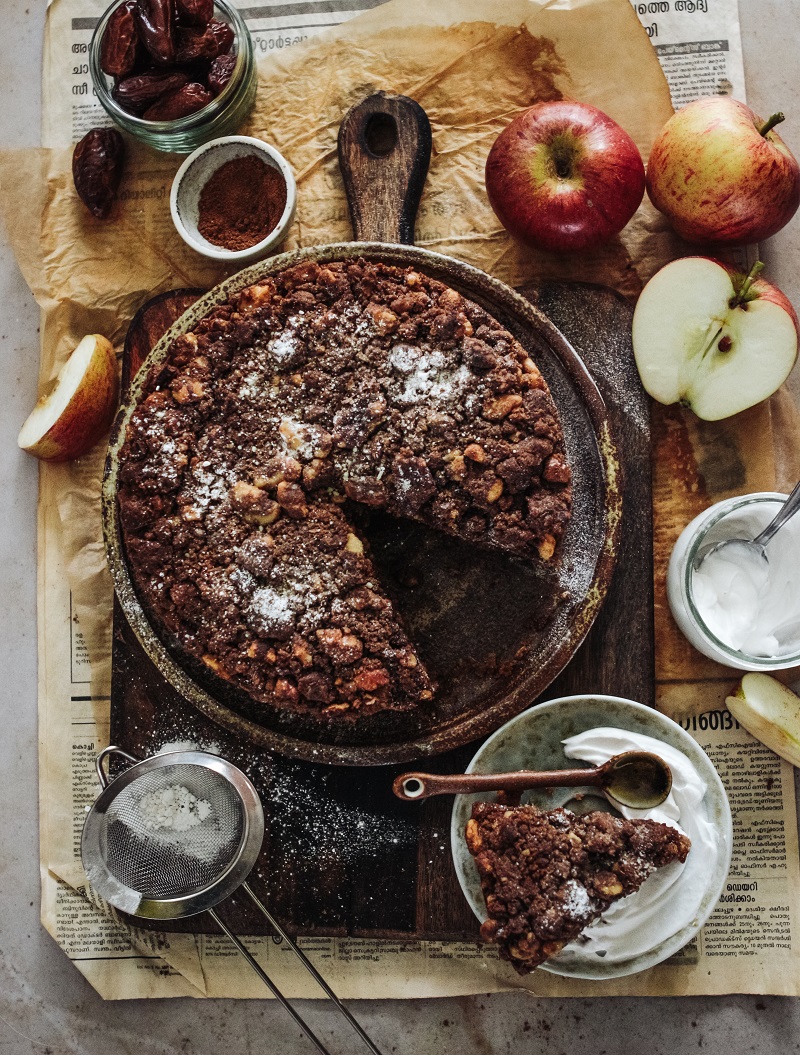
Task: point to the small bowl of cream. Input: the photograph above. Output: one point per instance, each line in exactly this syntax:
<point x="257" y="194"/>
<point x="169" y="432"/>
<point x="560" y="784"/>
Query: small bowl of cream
<point x="738" y="611"/>
<point x="671" y="906"/>
<point x="234" y="199"/>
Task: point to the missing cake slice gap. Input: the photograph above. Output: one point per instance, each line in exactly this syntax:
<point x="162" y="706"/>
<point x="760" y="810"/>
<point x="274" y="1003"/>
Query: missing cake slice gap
<point x="546" y="875"/>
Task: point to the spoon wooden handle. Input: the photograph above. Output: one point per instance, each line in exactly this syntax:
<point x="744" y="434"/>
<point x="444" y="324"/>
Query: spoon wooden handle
<point x="416" y="786"/>
<point x="384" y="151"/>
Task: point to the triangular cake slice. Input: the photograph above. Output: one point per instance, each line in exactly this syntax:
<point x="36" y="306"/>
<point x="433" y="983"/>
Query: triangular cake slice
<point x="546" y="875"/>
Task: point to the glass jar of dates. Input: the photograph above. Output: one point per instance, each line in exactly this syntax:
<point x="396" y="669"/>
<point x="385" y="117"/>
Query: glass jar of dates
<point x="174" y="73"/>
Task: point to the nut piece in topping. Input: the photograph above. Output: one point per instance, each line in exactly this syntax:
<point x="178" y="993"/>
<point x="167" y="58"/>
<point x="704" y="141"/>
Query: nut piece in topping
<point x="254" y="504"/>
<point x="354" y="545"/>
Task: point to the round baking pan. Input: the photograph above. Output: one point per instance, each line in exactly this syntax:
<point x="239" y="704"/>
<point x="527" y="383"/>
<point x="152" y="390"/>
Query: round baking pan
<point x="493" y="631"/>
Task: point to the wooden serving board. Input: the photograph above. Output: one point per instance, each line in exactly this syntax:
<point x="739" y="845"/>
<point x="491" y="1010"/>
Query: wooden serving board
<point x="343" y="856"/>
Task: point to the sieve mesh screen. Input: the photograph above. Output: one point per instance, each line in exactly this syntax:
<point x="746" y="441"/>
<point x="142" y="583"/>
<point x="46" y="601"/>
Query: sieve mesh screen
<point x="173" y="831"/>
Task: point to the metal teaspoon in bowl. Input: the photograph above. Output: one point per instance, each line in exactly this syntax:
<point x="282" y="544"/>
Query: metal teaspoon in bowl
<point x="754" y="550"/>
<point x="637" y="779"/>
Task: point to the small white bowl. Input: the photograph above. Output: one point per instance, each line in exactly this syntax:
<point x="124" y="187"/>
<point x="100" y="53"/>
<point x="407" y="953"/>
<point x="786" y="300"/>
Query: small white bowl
<point x="721" y="521"/>
<point x="196" y="171"/>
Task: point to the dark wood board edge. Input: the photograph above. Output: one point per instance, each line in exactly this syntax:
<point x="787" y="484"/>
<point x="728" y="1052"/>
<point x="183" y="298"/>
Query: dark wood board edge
<point x="618" y="656"/>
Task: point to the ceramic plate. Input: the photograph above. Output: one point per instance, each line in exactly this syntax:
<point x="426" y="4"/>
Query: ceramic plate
<point x="533" y="740"/>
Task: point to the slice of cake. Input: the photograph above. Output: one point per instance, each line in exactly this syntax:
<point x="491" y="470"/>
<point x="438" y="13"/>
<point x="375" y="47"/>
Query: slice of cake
<point x="546" y="875"/>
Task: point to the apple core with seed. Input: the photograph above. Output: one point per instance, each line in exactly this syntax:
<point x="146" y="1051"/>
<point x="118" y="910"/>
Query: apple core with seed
<point x="712" y="338"/>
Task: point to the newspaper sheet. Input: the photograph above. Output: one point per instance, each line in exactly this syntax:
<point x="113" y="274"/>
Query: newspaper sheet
<point x="752" y="941"/>
<point x="697" y="43"/>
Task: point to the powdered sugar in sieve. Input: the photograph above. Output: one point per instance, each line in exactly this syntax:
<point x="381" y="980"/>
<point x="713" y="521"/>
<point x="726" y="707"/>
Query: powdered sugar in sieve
<point x="172" y="831"/>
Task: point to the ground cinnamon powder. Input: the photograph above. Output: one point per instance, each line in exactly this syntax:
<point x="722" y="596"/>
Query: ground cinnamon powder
<point x="241" y="203"/>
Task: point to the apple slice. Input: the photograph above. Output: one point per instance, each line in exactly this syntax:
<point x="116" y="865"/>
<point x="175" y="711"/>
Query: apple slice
<point x="771" y="712"/>
<point x="712" y="338"/>
<point x="67" y="421"/>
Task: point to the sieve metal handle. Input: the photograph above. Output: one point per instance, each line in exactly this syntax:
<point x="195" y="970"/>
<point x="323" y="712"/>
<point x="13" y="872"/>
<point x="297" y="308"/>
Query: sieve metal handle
<point x="265" y="978"/>
<point x="309" y="966"/>
<point x="102" y="776"/>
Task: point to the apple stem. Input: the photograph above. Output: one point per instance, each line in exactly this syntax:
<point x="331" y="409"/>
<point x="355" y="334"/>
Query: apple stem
<point x="744" y="293"/>
<point x="770" y="123"/>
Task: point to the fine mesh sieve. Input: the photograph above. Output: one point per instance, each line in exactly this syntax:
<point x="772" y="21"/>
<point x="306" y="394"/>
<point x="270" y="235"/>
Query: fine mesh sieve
<point x="173" y="835"/>
<point x="173" y="831"/>
<point x="176" y="834"/>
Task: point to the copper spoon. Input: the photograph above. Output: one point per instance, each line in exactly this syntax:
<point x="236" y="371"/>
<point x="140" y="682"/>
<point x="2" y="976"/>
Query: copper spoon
<point x="637" y="779"/>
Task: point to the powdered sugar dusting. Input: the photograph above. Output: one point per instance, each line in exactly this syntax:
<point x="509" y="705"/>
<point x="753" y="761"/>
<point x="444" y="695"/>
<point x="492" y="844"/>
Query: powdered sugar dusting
<point x="425" y="377"/>
<point x="576" y="900"/>
<point x="288" y="346"/>
<point x="174" y="808"/>
<point x="331" y="829"/>
<point x="273" y="610"/>
<point x="207" y="486"/>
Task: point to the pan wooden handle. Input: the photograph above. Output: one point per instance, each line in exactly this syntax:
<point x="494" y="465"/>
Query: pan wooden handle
<point x="384" y="152"/>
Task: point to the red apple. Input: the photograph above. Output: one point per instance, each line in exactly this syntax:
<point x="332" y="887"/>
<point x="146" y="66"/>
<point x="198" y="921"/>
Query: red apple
<point x="68" y="420"/>
<point x="563" y="176"/>
<point x="712" y="338"/>
<point x="721" y="175"/>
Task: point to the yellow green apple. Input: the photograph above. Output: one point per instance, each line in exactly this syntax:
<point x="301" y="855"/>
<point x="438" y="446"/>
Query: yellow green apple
<point x="721" y="175"/>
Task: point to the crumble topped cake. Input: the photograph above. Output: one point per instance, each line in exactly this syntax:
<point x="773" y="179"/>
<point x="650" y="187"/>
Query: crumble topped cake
<point x="546" y="875"/>
<point x="316" y="387"/>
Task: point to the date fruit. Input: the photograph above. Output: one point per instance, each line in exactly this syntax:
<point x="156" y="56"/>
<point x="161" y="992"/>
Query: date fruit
<point x="222" y="34"/>
<point x="168" y="58"/>
<point x="156" y="21"/>
<point x="208" y="43"/>
<point x="97" y="169"/>
<point x="195" y="12"/>
<point x="186" y="100"/>
<point x="220" y="72"/>
<point x="120" y="40"/>
<point x="137" y="94"/>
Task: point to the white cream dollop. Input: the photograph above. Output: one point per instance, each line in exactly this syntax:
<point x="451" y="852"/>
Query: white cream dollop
<point x="751" y="605"/>
<point x="671" y="897"/>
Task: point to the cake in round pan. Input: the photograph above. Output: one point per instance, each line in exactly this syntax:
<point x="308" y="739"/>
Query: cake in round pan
<point x="317" y="387"/>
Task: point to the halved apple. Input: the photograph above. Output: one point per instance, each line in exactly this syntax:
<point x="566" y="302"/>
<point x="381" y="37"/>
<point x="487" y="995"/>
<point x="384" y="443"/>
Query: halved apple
<point x="69" y="419"/>
<point x="712" y="338"/>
